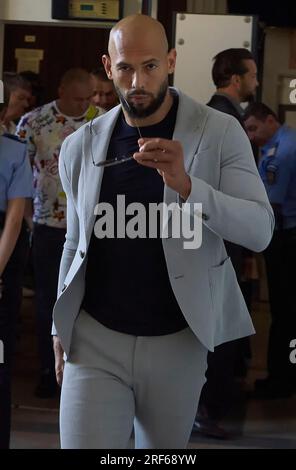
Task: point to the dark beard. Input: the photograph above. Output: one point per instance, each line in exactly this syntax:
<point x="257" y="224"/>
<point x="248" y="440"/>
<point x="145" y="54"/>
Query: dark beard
<point x="139" y="113"/>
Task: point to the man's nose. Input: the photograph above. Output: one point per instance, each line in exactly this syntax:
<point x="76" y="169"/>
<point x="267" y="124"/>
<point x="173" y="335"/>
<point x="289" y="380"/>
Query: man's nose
<point x="138" y="79"/>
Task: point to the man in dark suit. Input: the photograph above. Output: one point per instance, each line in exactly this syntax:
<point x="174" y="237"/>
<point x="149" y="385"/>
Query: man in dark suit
<point x="234" y="74"/>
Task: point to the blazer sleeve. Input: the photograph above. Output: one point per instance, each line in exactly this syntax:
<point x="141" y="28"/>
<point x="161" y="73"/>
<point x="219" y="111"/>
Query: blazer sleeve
<point x="239" y="211"/>
<point x="72" y="234"/>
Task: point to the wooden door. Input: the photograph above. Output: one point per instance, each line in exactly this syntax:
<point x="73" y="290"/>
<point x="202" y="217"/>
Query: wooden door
<point x="63" y="48"/>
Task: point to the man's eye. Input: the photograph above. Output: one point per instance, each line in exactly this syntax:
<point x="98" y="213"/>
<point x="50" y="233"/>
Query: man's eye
<point x="151" y="66"/>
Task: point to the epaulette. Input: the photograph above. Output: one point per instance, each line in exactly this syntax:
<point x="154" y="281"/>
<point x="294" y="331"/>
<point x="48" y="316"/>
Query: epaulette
<point x="13" y="137"/>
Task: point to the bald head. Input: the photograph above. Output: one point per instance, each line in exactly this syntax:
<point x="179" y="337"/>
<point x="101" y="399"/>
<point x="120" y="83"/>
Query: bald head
<point x="137" y="31"/>
<point x="75" y="92"/>
<point x="139" y="64"/>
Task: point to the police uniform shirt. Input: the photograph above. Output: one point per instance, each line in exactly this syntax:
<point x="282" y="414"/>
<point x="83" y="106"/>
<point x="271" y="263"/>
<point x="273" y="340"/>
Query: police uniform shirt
<point x="16" y="180"/>
<point x="277" y="169"/>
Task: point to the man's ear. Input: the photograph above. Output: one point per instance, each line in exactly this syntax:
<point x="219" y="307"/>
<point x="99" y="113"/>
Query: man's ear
<point x="172" y="57"/>
<point x="235" y="80"/>
<point x="107" y="65"/>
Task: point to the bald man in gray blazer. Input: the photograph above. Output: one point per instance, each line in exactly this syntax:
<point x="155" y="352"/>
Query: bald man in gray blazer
<point x="135" y="364"/>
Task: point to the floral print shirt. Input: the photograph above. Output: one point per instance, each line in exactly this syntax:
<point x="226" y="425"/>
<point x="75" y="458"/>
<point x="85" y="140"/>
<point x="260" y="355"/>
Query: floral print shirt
<point x="44" y="130"/>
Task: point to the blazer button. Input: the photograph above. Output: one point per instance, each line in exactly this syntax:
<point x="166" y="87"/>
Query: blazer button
<point x="64" y="287"/>
<point x="82" y="254"/>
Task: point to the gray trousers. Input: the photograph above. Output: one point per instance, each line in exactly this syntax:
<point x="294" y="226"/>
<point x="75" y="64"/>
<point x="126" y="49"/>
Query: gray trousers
<point x="114" y="383"/>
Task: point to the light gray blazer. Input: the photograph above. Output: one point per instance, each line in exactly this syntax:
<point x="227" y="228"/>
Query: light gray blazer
<point x="219" y="160"/>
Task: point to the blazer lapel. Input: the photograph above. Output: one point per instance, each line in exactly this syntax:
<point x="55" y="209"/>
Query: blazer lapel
<point x="95" y="143"/>
<point x="190" y="124"/>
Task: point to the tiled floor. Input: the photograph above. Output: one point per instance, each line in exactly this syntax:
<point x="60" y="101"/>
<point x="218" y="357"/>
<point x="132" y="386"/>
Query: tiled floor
<point x="256" y="424"/>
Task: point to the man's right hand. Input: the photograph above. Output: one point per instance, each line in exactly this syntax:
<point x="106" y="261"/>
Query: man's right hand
<point x="59" y="361"/>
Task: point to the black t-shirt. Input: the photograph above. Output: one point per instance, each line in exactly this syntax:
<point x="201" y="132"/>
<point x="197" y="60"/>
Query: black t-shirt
<point x="127" y="283"/>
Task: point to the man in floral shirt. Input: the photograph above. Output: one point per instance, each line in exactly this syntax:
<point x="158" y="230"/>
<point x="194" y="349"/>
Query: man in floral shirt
<point x="45" y="129"/>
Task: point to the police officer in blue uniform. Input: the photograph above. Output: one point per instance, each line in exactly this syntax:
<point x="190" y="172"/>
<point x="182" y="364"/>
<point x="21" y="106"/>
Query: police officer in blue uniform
<point x="277" y="168"/>
<point x="15" y="186"/>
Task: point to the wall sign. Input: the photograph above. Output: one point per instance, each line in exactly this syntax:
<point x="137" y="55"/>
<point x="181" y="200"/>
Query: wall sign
<point x="29" y="59"/>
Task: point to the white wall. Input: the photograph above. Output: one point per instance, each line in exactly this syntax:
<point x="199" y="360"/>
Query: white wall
<point x="26" y="10"/>
<point x="132" y="6"/>
<point x="276" y="67"/>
